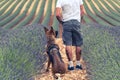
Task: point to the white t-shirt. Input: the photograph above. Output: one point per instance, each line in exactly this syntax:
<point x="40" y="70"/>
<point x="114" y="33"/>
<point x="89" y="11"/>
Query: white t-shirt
<point x="70" y="9"/>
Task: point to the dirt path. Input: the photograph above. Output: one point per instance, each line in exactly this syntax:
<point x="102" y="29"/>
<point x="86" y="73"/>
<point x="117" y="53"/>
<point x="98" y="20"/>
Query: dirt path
<point x="70" y="75"/>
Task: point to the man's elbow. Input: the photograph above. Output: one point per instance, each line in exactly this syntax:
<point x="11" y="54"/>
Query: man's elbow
<point x="58" y="12"/>
<point x="81" y="7"/>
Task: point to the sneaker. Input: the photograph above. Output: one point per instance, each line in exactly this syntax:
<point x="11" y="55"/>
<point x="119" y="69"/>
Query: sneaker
<point x="70" y="68"/>
<point x="78" y="67"/>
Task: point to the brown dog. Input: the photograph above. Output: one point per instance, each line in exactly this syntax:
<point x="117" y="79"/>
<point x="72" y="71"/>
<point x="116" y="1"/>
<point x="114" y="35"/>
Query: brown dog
<point x="52" y="49"/>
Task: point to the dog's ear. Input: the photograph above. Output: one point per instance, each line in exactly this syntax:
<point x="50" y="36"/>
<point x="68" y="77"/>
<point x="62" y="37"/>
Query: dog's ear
<point x="52" y="30"/>
<point x="45" y="29"/>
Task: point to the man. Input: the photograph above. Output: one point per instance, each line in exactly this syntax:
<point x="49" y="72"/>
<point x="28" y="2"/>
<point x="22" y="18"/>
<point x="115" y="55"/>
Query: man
<point x="69" y="14"/>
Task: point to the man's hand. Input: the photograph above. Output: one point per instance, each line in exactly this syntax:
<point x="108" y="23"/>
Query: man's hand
<point x="81" y="18"/>
<point x="82" y="12"/>
<point x="58" y="15"/>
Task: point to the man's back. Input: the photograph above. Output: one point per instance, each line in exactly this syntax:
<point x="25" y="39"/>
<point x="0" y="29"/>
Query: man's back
<point x="70" y="9"/>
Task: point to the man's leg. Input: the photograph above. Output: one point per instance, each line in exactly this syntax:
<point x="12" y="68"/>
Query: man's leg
<point x="78" y="57"/>
<point x="69" y="53"/>
<point x="70" y="57"/>
<point x="78" y="53"/>
<point x="67" y="39"/>
<point x="77" y="42"/>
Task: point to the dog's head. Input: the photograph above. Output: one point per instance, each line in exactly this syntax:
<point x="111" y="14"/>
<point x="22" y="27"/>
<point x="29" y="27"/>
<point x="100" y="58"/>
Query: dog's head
<point x="51" y="34"/>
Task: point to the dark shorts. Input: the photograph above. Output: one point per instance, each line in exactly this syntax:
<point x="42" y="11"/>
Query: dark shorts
<point x="71" y="33"/>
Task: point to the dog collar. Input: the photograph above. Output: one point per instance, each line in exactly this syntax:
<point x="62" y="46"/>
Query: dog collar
<point x="51" y="47"/>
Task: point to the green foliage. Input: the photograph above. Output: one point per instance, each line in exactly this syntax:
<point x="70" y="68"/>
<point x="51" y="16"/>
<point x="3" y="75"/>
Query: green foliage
<point x="9" y="11"/>
<point x="107" y="18"/>
<point x="110" y="9"/>
<point x="40" y="13"/>
<point x="55" y="24"/>
<point x="15" y="63"/>
<point x="5" y="7"/>
<point x="48" y="13"/>
<point x="87" y="19"/>
<point x="96" y="18"/>
<point x="29" y="17"/>
<point x="2" y="4"/>
<point x="114" y="16"/>
<point x="14" y="17"/>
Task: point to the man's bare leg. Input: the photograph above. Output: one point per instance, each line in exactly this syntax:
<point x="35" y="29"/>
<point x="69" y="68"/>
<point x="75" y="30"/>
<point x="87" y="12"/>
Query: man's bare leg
<point x="69" y="53"/>
<point x="78" y="53"/>
<point x="78" y="57"/>
<point x="70" y="57"/>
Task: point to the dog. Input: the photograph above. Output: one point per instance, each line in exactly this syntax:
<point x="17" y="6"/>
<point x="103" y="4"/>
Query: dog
<point x="52" y="49"/>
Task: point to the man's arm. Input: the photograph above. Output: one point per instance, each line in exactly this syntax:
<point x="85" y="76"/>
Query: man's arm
<point x="59" y="15"/>
<point x="82" y="11"/>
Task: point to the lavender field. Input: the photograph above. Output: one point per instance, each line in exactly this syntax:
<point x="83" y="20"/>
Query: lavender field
<point x="22" y="38"/>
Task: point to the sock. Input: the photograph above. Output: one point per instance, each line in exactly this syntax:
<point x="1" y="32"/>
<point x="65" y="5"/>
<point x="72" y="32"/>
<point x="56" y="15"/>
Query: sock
<point x="71" y="63"/>
<point x="78" y="63"/>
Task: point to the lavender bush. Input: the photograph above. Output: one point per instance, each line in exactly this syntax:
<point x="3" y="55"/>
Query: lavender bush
<point x="102" y="51"/>
<point x="22" y="52"/>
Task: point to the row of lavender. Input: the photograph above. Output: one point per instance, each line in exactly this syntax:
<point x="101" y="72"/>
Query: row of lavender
<point x="21" y="52"/>
<point x="102" y="51"/>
